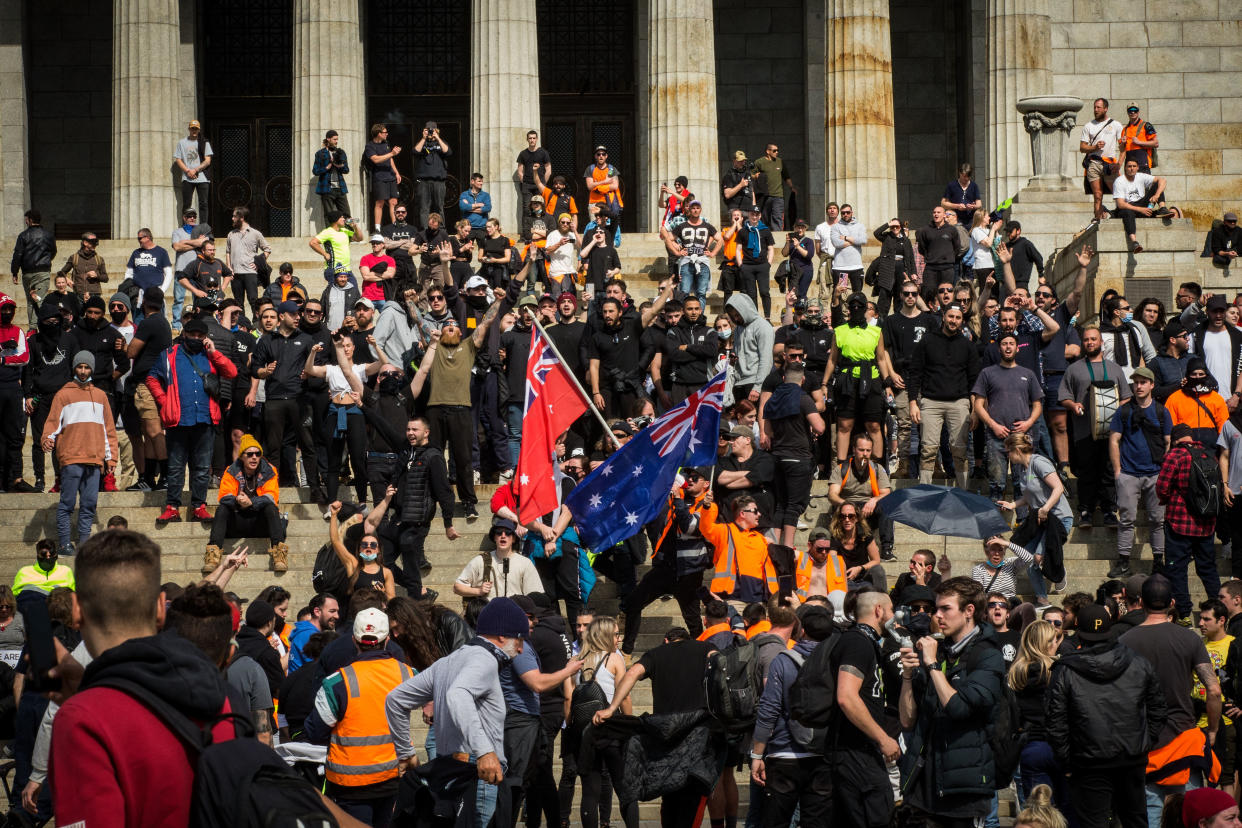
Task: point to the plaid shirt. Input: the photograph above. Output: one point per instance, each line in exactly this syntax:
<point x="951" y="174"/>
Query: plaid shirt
<point x="1174" y="480"/>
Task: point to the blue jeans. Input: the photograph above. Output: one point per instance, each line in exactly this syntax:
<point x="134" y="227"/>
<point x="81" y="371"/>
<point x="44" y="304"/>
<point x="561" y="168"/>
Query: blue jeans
<point x="999" y="472"/>
<point x="696" y="279"/>
<point x="1037" y="579"/>
<point x="374" y="812"/>
<point x="1157" y="793"/>
<point x="77" y="479"/>
<point x="513" y="427"/>
<point x="192" y="444"/>
<point x="1040" y="767"/>
<point x="178" y="304"/>
<point x="1178" y="550"/>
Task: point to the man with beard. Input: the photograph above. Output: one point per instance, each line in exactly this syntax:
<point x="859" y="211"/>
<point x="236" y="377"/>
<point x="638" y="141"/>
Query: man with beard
<point x="234" y="416"/>
<point x="1007" y="398"/>
<point x="359" y="324"/>
<point x="14" y="354"/>
<point x="903" y="331"/>
<point x="1089" y="456"/>
<point x="94" y="334"/>
<point x="244" y="243"/>
<point x="45" y="373"/>
<point x="858" y="387"/>
<point x="1139" y="439"/>
<point x="1220" y="345"/>
<point x="86" y="267"/>
<point x="447" y="365"/>
<point x="400" y="329"/>
<point x="390" y="404"/>
<point x="688" y="355"/>
<point x="315" y="394"/>
<point x="515" y="346"/>
<point x="1030" y="325"/>
<point x="400" y="243"/>
<point x="205" y="276"/>
<point x="613" y="348"/>
<point x="1197" y="403"/>
<point x="943" y="370"/>
<point x="862" y="482"/>
<point x="1170" y="366"/>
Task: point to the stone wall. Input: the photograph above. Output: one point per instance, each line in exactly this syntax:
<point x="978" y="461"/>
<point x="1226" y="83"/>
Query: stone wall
<point x="1181" y="62"/>
<point x="761" y="82"/>
<point x="69" y="99"/>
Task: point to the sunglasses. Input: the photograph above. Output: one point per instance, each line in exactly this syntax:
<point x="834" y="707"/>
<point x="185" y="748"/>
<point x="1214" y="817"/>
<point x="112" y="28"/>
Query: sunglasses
<point x="312" y="312"/>
<point x="849" y="517"/>
<point x="252" y="453"/>
<point x="116" y="308"/>
<point x="823" y="548"/>
<point x="390" y="375"/>
<point x="369" y="545"/>
<point x="503" y="532"/>
<point x="436" y="298"/>
<point x="920" y="608"/>
<point x="998" y="605"/>
<point x="947" y="291"/>
<point x="751" y="511"/>
<point x="1055" y="623"/>
<point x="909" y="293"/>
<point x="1043" y="294"/>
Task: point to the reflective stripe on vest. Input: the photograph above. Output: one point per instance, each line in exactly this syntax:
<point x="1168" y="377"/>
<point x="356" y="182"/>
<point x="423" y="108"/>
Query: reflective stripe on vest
<point x="834" y="578"/>
<point x="361" y="751"/>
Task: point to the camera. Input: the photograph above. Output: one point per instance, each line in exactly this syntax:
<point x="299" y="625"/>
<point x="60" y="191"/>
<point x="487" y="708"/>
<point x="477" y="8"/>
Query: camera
<point x="642" y="422"/>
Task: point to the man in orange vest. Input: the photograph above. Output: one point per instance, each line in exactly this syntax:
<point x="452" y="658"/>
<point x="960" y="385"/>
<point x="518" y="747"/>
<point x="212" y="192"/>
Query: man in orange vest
<point x="862" y="481"/>
<point x="744" y="570"/>
<point x="349" y="716"/>
<point x="820" y="572"/>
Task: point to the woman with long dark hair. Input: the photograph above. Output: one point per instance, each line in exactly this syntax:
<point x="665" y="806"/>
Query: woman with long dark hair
<point x="409" y="624"/>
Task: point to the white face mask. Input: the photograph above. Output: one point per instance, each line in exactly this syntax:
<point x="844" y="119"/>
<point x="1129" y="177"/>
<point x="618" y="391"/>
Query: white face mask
<point x="511" y="647"/>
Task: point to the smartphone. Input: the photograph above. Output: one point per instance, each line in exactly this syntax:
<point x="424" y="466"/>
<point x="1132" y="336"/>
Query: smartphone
<point x="40" y="648"/>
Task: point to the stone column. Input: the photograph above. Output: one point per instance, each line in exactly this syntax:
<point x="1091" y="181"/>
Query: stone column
<point x="859" y="141"/>
<point x="328" y="93"/>
<point x="146" y="115"/>
<point x="681" y="133"/>
<point x="1019" y="61"/>
<point x="14" y="166"/>
<point x="504" y="98"/>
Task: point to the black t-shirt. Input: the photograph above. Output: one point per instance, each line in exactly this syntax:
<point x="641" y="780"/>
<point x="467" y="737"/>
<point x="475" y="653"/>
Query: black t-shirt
<point x="618" y="350"/>
<point x="399" y="231"/>
<point x="528" y="159"/>
<point x="552" y="645"/>
<point x="156" y="335"/>
<point x="858" y="653"/>
<point x="431" y="164"/>
<point x="382" y="170"/>
<point x="853" y="557"/>
<point x="1008" y="642"/>
<point x="816" y="344"/>
<point x="495" y="248"/>
<point x="765" y="241"/>
<point x="761" y="472"/>
<point x="1053" y="351"/>
<point x="695" y="237"/>
<point x="676" y="673"/>
<point x="791" y="436"/>
<point x="431" y="239"/>
<point x="902" y="333"/>
<point x="460" y="255"/>
<point x="730" y="179"/>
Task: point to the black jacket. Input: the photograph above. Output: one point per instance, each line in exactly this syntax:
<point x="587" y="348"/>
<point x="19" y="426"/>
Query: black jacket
<point x="554" y="646"/>
<point x="695" y="364"/>
<point x="33" y="251"/>
<point x="666" y="753"/>
<point x="890" y="248"/>
<point x="1025" y="257"/>
<point x="955" y="736"/>
<point x="943" y="368"/>
<point x="253" y="643"/>
<point x="1129" y="621"/>
<point x="1105" y="707"/>
<point x="422" y="483"/>
<point x="101" y="342"/>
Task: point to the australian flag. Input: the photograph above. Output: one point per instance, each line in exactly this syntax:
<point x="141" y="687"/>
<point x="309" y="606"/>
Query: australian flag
<point x="618" y="498"/>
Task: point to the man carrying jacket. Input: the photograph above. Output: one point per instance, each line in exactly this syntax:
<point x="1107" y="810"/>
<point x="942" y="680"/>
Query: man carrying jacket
<point x="82" y="429"/>
<point x="249" y="507"/>
<point x="32" y="255"/>
<point x="681" y="557"/>
<point x="1105" y="710"/>
<point x="949" y="690"/>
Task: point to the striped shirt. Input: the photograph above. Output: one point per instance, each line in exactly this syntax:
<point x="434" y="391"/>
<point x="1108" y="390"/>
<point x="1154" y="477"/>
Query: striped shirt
<point x="1006" y="580"/>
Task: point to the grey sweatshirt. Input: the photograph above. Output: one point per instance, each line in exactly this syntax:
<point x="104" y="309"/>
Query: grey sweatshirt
<point x="469" y="704"/>
<point x="754" y="342"/>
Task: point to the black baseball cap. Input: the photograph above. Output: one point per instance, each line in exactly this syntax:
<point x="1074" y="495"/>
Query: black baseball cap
<point x="1094" y="623"/>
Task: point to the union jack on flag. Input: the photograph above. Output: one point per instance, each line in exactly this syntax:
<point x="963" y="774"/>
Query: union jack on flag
<point x="669" y="431"/>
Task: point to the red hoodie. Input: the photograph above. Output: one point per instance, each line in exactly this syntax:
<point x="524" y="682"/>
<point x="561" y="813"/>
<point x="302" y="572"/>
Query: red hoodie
<point x="13" y="357"/>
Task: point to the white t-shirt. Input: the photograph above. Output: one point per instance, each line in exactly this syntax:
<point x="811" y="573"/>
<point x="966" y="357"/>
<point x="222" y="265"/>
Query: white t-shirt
<point x="564" y="260"/>
<point x="1216" y="347"/>
<point x="823" y="239"/>
<point x="980" y="249"/>
<point x="338" y="384"/>
<point x="1126" y="190"/>
<point x="1094" y="131"/>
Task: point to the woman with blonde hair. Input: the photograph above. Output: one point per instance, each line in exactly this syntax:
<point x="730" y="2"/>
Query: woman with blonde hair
<point x="982" y="237"/>
<point x="1039" y="811"/>
<point x="851" y="537"/>
<point x="603" y="665"/>
<point x="1028" y="678"/>
<point x="1042" y="488"/>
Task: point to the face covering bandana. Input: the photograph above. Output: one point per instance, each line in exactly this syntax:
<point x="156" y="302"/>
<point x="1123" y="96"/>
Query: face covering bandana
<point x="119" y="318"/>
<point x="369" y="557"/>
<point x="725" y="334"/>
<point x="390" y="386"/>
<point x="192" y="346"/>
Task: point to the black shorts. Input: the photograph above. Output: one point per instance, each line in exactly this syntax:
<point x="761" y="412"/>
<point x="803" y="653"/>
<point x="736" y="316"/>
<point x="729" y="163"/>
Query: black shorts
<point x="383" y="190"/>
<point x="869" y="409"/>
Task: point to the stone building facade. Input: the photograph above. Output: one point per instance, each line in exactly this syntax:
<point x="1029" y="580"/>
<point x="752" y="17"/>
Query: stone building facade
<point x="871" y="101"/>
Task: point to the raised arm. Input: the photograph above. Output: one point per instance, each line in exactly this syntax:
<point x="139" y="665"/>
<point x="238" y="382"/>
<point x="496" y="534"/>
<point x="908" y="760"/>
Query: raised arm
<point x="311" y="369"/>
<point x="424" y="367"/>
<point x="666" y="293"/>
<point x="334" y="536"/>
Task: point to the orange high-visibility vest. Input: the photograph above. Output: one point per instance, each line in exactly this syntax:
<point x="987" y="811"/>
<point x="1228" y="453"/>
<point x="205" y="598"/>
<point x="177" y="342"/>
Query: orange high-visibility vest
<point x="724" y="626"/>
<point x="361" y="751"/>
<point x="1171" y="764"/>
<point x="758" y="629"/>
<point x="744" y="571"/>
<point x="834" y="574"/>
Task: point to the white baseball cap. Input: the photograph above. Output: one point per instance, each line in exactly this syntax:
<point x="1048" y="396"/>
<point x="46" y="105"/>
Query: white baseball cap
<point x="475" y="281"/>
<point x="370" y="625"/>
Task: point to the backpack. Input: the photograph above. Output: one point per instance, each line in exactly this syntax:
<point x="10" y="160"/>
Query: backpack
<point x="1005" y="735"/>
<point x="1132" y="417"/>
<point x="239" y="783"/>
<point x="587" y="699"/>
<point x="329" y="574"/>
<point x="803" y="736"/>
<point x="732" y="685"/>
<point x="1203" y="495"/>
<point x="813" y="694"/>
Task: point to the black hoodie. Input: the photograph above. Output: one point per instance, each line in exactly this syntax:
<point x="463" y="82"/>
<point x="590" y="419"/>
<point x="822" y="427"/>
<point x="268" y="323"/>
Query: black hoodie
<point x="554" y="647"/>
<point x="1105" y="707"/>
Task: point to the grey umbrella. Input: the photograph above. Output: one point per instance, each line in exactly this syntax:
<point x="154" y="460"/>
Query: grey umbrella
<point x="944" y="510"/>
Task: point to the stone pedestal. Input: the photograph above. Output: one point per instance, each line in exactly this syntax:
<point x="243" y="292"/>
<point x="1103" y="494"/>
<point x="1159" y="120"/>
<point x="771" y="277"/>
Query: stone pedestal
<point x="14" y="169"/>
<point x="1049" y="119"/>
<point x="1019" y="55"/>
<point x="682" y="137"/>
<point x="328" y="93"/>
<point x="504" y="99"/>
<point x="146" y="116"/>
<point x="859" y="142"/>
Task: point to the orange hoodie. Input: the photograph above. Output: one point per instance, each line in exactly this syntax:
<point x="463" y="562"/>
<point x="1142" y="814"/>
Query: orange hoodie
<point x="82" y="426"/>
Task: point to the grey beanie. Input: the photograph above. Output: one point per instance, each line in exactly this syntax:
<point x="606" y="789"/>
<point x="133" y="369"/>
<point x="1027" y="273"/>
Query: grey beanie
<point x="123" y="299"/>
<point x="84" y="357"/>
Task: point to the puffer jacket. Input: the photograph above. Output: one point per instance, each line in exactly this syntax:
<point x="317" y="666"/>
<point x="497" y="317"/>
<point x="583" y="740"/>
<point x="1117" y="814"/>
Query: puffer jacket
<point x="753" y="342"/>
<point x="665" y="753"/>
<point x="956" y="734"/>
<point x="1104" y="706"/>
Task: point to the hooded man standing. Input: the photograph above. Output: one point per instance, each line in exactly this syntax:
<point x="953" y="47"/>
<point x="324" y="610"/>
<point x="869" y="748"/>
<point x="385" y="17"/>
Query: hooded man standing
<point x="81" y="428"/>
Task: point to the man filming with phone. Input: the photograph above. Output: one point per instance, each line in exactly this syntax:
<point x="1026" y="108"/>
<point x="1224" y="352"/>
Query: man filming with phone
<point x="430" y="171"/>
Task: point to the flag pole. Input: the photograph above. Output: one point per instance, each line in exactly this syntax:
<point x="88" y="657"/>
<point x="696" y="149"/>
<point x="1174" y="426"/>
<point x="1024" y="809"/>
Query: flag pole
<point x="590" y="402"/>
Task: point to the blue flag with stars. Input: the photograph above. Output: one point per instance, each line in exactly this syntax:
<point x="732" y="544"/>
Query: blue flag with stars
<point x="614" y="502"/>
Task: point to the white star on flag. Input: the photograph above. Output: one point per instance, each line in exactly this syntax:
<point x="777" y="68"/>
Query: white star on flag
<point x="607" y="472"/>
<point x="631" y="518"/>
<point x="596" y="500"/>
<point x="637" y="471"/>
<point x="524" y="480"/>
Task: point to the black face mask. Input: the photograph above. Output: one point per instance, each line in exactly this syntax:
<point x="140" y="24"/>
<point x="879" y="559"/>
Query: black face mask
<point x="477" y="302"/>
<point x="49" y="563"/>
<point x="390" y="386"/>
<point x="192" y="346"/>
<point x="119" y="318"/>
<point x="858" y="314"/>
<point x="6" y="316"/>
<point x="51" y="328"/>
<point x="312" y="327"/>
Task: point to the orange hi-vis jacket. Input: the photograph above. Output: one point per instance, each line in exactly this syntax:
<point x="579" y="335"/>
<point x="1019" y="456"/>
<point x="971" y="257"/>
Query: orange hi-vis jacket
<point x="744" y="571"/>
<point x="834" y="575"/>
<point x="758" y="629"/>
<point x="714" y="629"/>
<point x="361" y="751"/>
<point x="1171" y="764"/>
<point x="601" y="193"/>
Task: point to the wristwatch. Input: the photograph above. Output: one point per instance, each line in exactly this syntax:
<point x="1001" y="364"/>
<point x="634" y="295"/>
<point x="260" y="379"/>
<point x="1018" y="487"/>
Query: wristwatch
<point x="935" y="665"/>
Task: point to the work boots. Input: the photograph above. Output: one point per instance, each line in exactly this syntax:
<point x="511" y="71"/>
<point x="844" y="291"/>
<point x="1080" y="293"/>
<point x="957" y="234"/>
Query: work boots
<point x="211" y="559"/>
<point x="280" y="557"/>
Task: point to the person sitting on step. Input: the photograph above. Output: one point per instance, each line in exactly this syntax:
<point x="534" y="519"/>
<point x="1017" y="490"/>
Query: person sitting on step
<point x="249" y="506"/>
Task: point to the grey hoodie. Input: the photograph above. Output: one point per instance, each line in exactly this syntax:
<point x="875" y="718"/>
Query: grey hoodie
<point x="754" y="341"/>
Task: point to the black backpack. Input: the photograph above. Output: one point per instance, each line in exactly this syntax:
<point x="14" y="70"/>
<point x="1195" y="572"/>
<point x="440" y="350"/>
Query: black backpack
<point x="1203" y="495"/>
<point x="813" y="694"/>
<point x="803" y="736"/>
<point x="329" y="574"/>
<point x="733" y="683"/>
<point x="1005" y="735"/>
<point x="239" y="783"/>
<point x="587" y="699"/>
